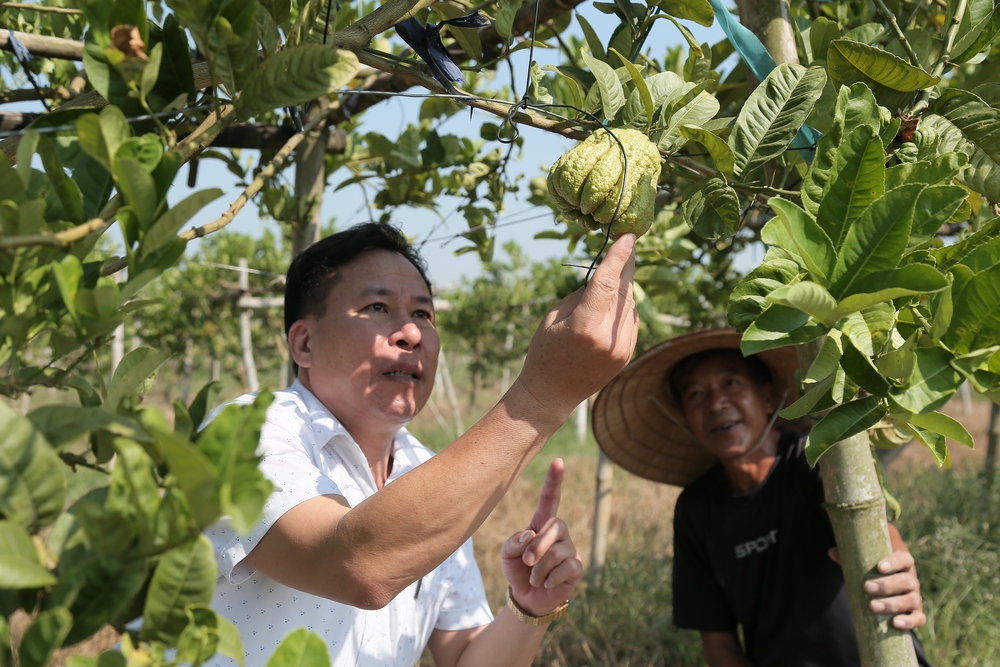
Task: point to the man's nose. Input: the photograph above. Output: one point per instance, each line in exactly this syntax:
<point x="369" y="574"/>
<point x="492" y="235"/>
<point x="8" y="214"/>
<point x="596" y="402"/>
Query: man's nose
<point x="717" y="399"/>
<point x="407" y="335"/>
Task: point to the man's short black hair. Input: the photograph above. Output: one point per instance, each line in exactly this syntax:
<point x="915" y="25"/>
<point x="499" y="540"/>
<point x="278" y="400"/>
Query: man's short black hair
<point x="758" y="370"/>
<point x="314" y="271"/>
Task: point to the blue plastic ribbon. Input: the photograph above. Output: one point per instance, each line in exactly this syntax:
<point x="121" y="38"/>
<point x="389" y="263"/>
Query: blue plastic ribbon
<point x="760" y="63"/>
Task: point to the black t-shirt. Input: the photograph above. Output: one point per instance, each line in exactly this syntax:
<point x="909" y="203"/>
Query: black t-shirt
<point x="760" y="560"/>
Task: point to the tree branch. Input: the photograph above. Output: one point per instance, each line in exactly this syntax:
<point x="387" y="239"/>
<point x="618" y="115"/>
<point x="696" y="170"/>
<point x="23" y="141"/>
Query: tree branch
<point x="891" y="18"/>
<point x="258" y="182"/>
<point x="67" y="236"/>
<point x="40" y="8"/>
<point x="43" y="45"/>
<point x="949" y="41"/>
<point x="360" y="33"/>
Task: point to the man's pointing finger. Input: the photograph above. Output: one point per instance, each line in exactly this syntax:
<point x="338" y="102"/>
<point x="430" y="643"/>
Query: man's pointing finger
<point x="548" y="499"/>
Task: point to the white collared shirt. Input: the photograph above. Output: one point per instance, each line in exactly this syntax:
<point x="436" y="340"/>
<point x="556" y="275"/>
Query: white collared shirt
<point x="306" y="453"/>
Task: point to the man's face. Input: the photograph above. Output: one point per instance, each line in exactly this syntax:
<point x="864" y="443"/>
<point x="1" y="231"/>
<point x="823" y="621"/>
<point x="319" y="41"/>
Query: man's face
<point x="373" y="354"/>
<point x="725" y="408"/>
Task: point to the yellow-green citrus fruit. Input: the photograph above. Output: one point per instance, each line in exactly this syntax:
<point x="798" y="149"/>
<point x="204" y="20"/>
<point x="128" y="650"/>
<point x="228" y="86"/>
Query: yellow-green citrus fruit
<point x="586" y="182"/>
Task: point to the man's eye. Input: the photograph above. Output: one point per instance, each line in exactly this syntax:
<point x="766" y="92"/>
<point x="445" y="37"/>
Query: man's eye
<point x="378" y="307"/>
<point x="424" y="314"/>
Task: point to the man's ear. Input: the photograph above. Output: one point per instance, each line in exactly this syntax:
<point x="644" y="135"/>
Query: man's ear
<point x="300" y="343"/>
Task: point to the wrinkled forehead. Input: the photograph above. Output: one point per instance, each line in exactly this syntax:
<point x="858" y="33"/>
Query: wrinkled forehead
<point x="704" y="366"/>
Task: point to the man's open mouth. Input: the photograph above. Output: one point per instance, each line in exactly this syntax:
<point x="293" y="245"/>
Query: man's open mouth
<point x="402" y="374"/>
<point x="725" y="426"/>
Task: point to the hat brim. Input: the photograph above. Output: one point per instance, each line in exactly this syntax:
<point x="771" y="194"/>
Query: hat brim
<point x="639" y="425"/>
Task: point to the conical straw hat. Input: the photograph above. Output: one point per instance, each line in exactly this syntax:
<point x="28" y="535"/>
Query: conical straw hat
<point x="641" y="427"/>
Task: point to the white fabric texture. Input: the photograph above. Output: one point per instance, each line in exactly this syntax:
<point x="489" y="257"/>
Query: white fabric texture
<point x="307" y="453"/>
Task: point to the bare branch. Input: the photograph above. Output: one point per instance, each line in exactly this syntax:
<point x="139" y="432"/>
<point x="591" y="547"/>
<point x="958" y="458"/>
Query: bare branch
<point x="40" y="8"/>
<point x="43" y="46"/>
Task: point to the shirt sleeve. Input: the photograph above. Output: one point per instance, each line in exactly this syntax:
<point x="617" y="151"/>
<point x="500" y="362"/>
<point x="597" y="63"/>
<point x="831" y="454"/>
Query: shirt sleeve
<point x="465" y="605"/>
<point x="295" y="478"/>
<point x="699" y="601"/>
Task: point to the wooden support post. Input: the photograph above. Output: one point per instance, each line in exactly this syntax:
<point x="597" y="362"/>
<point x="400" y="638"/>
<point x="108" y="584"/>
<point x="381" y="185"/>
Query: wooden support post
<point x="246" y="341"/>
<point x="117" y="340"/>
<point x="449" y="391"/>
<point x="602" y="518"/>
<point x="582" y="414"/>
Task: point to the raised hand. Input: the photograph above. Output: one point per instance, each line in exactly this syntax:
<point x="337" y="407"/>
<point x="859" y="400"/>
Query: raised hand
<point x="541" y="563"/>
<point x="585" y="339"/>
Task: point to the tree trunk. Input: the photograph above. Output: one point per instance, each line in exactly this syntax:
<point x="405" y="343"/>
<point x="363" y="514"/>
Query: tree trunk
<point x="990" y="465"/>
<point x="771" y="21"/>
<point x="853" y="494"/>
<point x="856" y="506"/>
<point x="310" y="180"/>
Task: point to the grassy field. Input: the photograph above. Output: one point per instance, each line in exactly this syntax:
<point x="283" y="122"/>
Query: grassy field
<point x="951" y="522"/>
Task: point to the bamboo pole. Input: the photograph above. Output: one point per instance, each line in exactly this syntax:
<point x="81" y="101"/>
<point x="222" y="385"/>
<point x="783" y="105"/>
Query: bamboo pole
<point x="990" y="465"/>
<point x="856" y="506"/>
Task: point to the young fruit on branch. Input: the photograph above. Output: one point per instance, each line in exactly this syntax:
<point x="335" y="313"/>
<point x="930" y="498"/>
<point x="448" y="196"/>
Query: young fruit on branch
<point x="586" y="182"/>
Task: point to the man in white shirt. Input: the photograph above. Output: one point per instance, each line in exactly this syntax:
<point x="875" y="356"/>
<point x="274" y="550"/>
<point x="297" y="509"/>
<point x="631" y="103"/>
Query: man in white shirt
<point x="382" y="569"/>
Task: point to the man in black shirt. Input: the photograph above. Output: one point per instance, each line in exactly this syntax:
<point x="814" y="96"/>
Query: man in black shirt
<point x="753" y="546"/>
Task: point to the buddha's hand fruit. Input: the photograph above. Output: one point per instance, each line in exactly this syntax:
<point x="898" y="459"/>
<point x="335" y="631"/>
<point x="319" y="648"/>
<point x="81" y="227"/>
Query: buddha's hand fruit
<point x="586" y="182"/>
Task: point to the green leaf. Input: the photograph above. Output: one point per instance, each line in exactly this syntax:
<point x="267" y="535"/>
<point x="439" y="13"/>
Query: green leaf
<point x="68" y="273"/>
<point x="856" y="106"/>
<point x="66" y="189"/>
<point x="945" y="425"/>
<point x="137" y="185"/>
<point x="196" y="474"/>
<point x="876" y="241"/>
<point x="892" y="80"/>
<point x="95" y="184"/>
<point x="828" y="359"/>
<point x="811" y="298"/>
<point x="299" y="31"/>
<point x="640" y="86"/>
<point x="796" y="232"/>
<point x="133" y="370"/>
<point x="934" y="442"/>
<point x="64" y="424"/>
<point x="898" y="363"/>
<point x="883" y="286"/>
<point x="841" y="423"/>
<point x="185" y="575"/>
<point x="773" y="114"/>
<point x="301" y="648"/>
<point x="931" y="383"/>
<point x="720" y="151"/>
<point x="612" y="94"/>
<point x="975" y="321"/>
<point x="295" y="76"/>
<point x="230" y="642"/>
<point x="862" y="371"/>
<point x="44" y="636"/>
<point x="698" y="11"/>
<point x="19" y="565"/>
<point x="32" y="486"/>
<point x="856" y="180"/>
<point x="934" y="207"/>
<point x="712" y="208"/>
<point x="949" y="256"/>
<point x="813" y="400"/>
<point x="506" y="12"/>
<point x="203" y="402"/>
<point x="593" y="41"/>
<point x="779" y="326"/>
<point x="166" y="227"/>
<point x="696" y="112"/>
<point x="230" y="441"/>
<point x="977" y="39"/>
<point x="966" y="124"/>
<point x="748" y="300"/>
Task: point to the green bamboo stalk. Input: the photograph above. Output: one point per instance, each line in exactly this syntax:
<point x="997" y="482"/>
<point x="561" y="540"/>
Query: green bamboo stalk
<point x="856" y="505"/>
